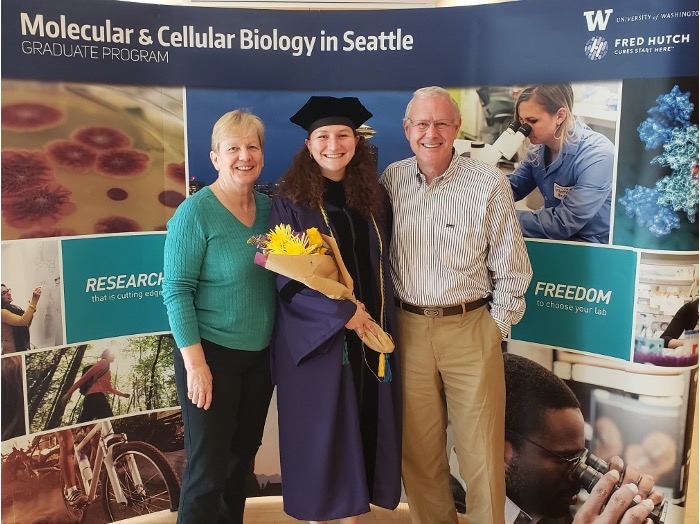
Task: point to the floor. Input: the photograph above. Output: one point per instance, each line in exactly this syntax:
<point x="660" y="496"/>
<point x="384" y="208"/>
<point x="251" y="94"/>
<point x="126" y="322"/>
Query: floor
<point x="268" y="510"/>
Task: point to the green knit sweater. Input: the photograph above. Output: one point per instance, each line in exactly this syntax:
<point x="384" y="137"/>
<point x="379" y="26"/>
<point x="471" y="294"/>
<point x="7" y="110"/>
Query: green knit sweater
<point x="211" y="287"/>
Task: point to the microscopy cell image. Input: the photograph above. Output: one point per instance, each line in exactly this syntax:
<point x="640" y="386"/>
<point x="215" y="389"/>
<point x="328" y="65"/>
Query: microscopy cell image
<point x="117" y="193"/>
<point x="44" y="205"/>
<point x="71" y="155"/>
<point x="116" y="224"/>
<point x="24" y="170"/>
<point x="171" y="198"/>
<point x="96" y="159"/>
<point x="102" y="138"/>
<point x="122" y="162"/>
<point x="27" y="117"/>
<point x="657" y="182"/>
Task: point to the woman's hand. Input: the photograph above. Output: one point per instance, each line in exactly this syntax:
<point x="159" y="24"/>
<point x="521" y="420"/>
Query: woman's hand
<point x="357" y="320"/>
<point x="36" y="295"/>
<point x="199" y="386"/>
<point x="360" y="322"/>
<point x="199" y="379"/>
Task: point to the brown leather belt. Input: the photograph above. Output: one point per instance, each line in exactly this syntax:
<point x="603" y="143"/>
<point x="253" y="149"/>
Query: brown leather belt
<point x="442" y="311"/>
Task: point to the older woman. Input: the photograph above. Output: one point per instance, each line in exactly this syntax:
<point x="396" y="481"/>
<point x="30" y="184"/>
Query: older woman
<point x="571" y="165"/>
<point x="221" y="308"/>
<point x="16" y="321"/>
<point x="339" y="420"/>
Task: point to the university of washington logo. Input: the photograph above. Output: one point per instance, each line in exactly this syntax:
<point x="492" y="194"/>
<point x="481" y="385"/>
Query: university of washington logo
<point x="597" y="20"/>
<point x="596" y="48"/>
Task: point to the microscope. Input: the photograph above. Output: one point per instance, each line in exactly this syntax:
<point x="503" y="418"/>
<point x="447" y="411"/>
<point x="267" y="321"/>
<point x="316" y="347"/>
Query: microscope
<point x="588" y="471"/>
<point x="504" y="147"/>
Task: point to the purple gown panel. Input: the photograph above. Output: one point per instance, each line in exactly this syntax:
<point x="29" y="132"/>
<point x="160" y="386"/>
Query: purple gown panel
<point x="321" y="446"/>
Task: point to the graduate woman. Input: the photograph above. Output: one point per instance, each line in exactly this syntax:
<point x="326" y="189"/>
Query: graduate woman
<point x="339" y="419"/>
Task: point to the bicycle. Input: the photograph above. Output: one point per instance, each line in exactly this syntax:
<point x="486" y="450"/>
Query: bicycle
<point x="133" y="478"/>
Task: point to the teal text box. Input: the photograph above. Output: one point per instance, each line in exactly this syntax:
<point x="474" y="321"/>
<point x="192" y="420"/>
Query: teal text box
<point x="581" y="297"/>
<point x="112" y="286"/>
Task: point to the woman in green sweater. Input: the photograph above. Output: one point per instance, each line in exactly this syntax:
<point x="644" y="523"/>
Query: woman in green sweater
<point x="221" y="308"/>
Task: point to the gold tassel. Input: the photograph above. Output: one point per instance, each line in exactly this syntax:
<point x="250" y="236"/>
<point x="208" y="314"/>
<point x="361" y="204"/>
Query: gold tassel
<point x="380" y="369"/>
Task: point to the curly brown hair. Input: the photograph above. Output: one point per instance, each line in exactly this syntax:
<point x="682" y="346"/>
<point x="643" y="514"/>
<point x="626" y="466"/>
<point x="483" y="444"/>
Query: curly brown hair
<point x="303" y="182"/>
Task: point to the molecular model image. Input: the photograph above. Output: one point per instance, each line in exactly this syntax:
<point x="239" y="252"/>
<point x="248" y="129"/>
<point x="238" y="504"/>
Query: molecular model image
<point x="668" y="127"/>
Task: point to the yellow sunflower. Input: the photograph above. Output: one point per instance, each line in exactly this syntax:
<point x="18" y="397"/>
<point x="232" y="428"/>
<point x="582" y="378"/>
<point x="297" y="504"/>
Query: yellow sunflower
<point x="281" y="240"/>
<point x="316" y="241"/>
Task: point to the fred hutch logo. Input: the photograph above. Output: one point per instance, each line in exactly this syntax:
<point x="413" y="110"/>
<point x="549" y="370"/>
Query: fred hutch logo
<point x="597" y="47"/>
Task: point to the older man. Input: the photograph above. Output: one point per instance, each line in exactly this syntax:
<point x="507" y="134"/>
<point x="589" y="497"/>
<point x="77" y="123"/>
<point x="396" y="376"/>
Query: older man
<point x="460" y="270"/>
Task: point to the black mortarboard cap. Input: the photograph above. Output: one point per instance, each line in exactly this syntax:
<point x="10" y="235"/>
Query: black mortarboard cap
<point x="328" y="110"/>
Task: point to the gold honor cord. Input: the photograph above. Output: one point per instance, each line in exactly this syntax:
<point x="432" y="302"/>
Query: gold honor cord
<point x="383" y="371"/>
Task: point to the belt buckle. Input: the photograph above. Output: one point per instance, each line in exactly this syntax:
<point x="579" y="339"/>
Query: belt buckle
<point x="432" y="311"/>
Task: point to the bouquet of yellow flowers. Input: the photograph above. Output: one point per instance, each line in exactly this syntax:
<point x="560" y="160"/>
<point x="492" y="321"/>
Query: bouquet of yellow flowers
<point x="313" y="259"/>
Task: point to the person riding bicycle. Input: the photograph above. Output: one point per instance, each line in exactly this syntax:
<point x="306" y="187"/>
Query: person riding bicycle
<point x="72" y="492"/>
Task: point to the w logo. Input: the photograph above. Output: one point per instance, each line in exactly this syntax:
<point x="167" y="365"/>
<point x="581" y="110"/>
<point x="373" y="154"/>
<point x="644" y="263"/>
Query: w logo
<point x="597" y="20"/>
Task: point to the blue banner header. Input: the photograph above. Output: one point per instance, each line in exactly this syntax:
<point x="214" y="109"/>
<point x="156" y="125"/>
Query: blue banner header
<point x="513" y="42"/>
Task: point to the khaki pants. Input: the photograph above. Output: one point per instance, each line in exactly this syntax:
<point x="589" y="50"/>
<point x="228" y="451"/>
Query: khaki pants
<point x="452" y="367"/>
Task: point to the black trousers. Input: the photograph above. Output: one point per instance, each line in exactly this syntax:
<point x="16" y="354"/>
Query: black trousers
<point x="95" y="406"/>
<point x="221" y="442"/>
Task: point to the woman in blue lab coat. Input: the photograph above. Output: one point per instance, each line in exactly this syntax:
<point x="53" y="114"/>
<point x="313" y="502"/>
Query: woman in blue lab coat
<point x="571" y="165"/>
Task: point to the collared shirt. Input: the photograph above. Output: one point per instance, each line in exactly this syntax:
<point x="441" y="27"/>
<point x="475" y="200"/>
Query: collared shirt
<point x="512" y="511"/>
<point x="576" y="186"/>
<point x="457" y="240"/>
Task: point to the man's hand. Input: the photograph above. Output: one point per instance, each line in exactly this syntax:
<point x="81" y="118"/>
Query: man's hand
<point x="607" y="507"/>
<point x="644" y="482"/>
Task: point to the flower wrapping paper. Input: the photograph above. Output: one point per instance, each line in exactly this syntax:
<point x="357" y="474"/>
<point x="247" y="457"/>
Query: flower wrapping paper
<point x="327" y="275"/>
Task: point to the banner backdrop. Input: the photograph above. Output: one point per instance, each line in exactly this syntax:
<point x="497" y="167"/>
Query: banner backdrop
<point x="489" y="45"/>
<point x="120" y="290"/>
<point x="107" y="110"/>
<point x="571" y="306"/>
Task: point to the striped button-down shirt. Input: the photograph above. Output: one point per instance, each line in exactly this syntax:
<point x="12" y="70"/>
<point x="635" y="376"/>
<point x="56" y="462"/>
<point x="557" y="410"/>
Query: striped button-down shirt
<point x="457" y="239"/>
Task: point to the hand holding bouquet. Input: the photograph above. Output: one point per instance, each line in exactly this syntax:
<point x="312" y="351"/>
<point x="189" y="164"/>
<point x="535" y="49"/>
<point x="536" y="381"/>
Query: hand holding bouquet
<point x="314" y="260"/>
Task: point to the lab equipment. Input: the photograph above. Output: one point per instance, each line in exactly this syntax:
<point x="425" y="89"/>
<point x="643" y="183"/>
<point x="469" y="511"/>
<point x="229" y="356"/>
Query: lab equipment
<point x="505" y="145"/>
<point x="588" y="470"/>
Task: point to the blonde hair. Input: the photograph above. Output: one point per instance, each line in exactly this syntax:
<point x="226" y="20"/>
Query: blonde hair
<point x="238" y="122"/>
<point x="552" y="97"/>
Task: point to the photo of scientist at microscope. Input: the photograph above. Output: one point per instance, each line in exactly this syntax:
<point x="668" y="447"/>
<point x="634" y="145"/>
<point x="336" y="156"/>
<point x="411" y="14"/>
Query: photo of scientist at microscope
<point x="550" y="473"/>
<point x="560" y="164"/>
<point x="570" y="164"/>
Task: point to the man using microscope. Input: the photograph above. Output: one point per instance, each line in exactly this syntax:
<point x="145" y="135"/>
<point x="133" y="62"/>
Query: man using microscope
<point x="460" y="270"/>
<point x="545" y="450"/>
